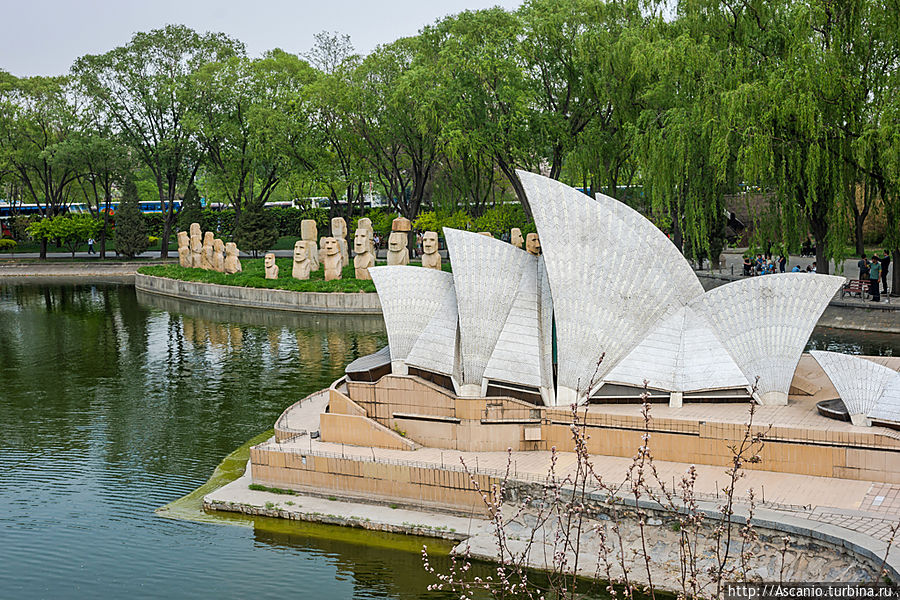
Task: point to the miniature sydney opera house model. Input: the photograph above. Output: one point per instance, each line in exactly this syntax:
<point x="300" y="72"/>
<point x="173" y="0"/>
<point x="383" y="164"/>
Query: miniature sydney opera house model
<point x="603" y="314"/>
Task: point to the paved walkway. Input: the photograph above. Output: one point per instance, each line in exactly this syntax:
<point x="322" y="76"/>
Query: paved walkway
<point x="866" y="507"/>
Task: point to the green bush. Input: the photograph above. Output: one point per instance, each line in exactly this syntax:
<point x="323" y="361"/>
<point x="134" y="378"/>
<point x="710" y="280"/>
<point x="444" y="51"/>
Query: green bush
<point x="7" y="245"/>
<point x="71" y="230"/>
<point x="131" y="228"/>
<point x="257" y="232"/>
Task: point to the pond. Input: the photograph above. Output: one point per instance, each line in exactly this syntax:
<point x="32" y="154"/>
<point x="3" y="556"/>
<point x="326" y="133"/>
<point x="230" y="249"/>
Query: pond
<point x="113" y="404"/>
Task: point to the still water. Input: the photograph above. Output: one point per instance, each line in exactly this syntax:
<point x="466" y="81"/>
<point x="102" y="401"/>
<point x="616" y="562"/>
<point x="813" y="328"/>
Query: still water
<point x="112" y="405"/>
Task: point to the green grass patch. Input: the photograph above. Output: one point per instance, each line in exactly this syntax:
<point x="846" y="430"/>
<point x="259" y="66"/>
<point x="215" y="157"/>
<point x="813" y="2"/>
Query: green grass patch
<point x="271" y="490"/>
<point x="253" y="276"/>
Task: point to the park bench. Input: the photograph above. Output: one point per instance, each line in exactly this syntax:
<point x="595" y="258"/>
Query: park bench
<point x="860" y="287"/>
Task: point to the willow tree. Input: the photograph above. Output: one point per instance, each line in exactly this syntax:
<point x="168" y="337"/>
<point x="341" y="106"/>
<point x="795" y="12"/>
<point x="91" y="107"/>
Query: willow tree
<point x="678" y="145"/>
<point x="798" y="120"/>
<point x="142" y="89"/>
<point x="488" y="107"/>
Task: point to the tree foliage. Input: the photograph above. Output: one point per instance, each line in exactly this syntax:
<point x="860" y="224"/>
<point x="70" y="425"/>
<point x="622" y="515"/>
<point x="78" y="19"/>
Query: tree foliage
<point x="131" y="231"/>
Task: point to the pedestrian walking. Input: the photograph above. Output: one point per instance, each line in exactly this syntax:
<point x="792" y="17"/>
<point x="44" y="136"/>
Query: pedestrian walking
<point x="90" y="245"/>
<point x="782" y="263"/>
<point x="885" y="264"/>
<point x="874" y="276"/>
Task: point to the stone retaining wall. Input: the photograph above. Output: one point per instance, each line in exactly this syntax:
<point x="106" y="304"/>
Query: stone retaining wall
<point x="313" y="302"/>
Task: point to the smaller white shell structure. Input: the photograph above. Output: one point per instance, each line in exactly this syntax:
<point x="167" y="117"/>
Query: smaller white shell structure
<point x="409" y="296"/>
<point x="861" y="383"/>
<point x="764" y="323"/>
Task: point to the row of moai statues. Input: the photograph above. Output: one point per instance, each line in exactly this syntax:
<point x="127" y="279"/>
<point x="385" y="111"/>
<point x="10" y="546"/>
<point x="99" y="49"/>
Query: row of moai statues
<point x="205" y="251"/>
<point x="332" y="252"/>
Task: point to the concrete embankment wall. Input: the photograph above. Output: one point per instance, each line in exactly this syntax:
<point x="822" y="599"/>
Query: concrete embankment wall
<point x="360" y="478"/>
<point x="314" y="302"/>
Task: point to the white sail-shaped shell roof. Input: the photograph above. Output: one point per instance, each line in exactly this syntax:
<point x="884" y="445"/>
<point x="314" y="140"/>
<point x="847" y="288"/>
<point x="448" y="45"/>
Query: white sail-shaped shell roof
<point x="436" y="348"/>
<point x="680" y="354"/>
<point x="409" y="298"/>
<point x="518" y="355"/>
<point x="486" y="274"/>
<point x="613" y="275"/>
<point x="764" y="323"/>
<point x="860" y="383"/>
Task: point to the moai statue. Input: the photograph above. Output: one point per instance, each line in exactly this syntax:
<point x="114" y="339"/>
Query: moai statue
<point x="515" y="237"/>
<point x="232" y="262"/>
<point x="334" y="261"/>
<point x="366" y="223"/>
<point x="533" y="244"/>
<point x="184" y="250"/>
<point x="271" y="267"/>
<point x="430" y="257"/>
<point x="397" y="253"/>
<point x="339" y="232"/>
<point x="487" y="233"/>
<point x="302" y="263"/>
<point x="309" y="234"/>
<point x="196" y="245"/>
<point x="362" y="248"/>
<point x="218" y="255"/>
<point x="206" y="251"/>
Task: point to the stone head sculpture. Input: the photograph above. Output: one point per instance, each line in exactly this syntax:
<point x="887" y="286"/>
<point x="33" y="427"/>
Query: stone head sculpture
<point x="270" y="266"/>
<point x="184" y="250"/>
<point x="207" y="250"/>
<point x="195" y="230"/>
<point x="308" y="230"/>
<point x="218" y="255"/>
<point x="397" y="253"/>
<point x="361" y="241"/>
<point x="338" y="227"/>
<point x="515" y="237"/>
<point x="333" y="260"/>
<point x="232" y="262"/>
<point x="396" y="242"/>
<point x="487" y="233"/>
<point x="362" y="246"/>
<point x="302" y="262"/>
<point x="430" y="257"/>
<point x="533" y="244"/>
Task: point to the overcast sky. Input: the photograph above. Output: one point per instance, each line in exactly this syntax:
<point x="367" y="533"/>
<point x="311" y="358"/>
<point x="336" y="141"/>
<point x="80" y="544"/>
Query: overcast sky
<point x="44" y="37"/>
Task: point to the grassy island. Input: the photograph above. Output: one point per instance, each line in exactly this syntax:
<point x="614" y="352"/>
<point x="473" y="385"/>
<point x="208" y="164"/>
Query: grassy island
<point x="253" y="276"/>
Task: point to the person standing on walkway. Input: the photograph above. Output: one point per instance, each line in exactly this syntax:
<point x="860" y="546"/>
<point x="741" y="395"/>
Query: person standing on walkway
<point x="885" y="264"/>
<point x="782" y="263"/>
<point x="874" y="276"/>
<point x="863" y="266"/>
<point x="90" y="245"/>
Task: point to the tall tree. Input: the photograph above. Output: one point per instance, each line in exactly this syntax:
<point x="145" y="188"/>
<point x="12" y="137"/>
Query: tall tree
<point x="37" y="115"/>
<point x="247" y="116"/>
<point x="142" y="89"/>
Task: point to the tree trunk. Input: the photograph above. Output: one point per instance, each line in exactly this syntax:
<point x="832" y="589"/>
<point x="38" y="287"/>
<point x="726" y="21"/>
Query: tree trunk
<point x="510" y="173"/>
<point x="164" y="242"/>
<point x="43" y="248"/>
<point x="858" y="233"/>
